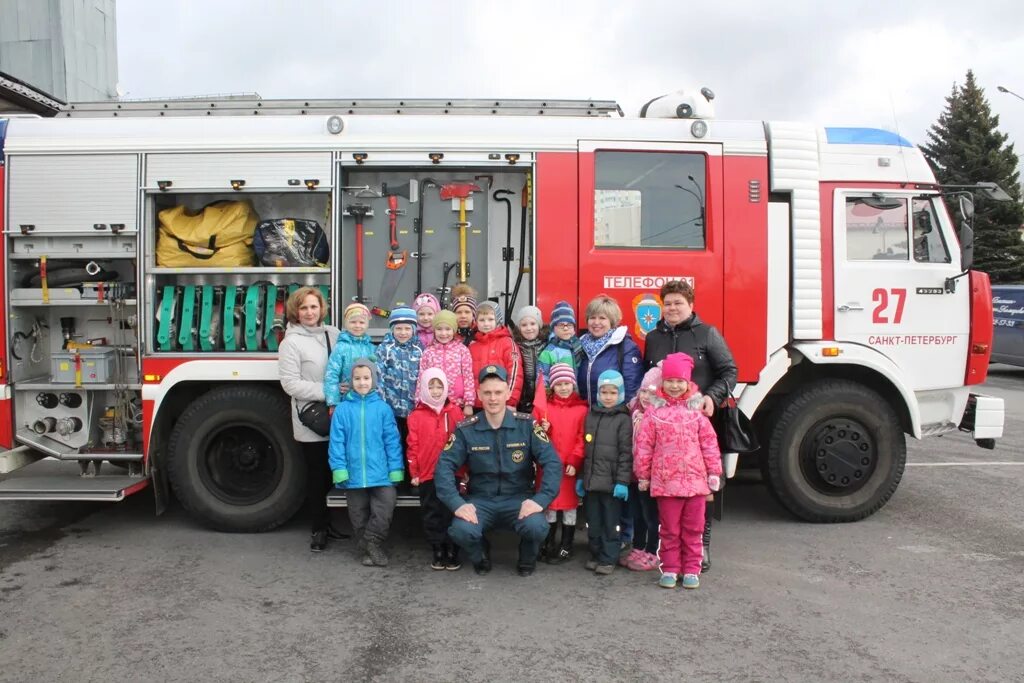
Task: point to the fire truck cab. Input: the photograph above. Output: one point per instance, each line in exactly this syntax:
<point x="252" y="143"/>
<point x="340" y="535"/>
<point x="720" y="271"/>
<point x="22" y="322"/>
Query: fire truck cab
<point x="826" y="256"/>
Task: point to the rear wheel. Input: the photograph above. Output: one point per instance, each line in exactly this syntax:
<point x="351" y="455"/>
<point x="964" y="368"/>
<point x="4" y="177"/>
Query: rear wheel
<point x="836" y="453"/>
<point x="233" y="462"/>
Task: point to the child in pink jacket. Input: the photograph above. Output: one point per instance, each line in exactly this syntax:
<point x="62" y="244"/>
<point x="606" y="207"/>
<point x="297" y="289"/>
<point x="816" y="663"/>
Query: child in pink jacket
<point x="676" y="457"/>
<point x="452" y="357"/>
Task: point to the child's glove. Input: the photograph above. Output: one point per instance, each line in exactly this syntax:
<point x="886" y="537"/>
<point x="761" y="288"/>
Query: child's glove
<point x="579" y="488"/>
<point x="339" y="477"/>
<point x="396" y="477"/>
<point x="620" y="492"/>
<point x="714" y="482"/>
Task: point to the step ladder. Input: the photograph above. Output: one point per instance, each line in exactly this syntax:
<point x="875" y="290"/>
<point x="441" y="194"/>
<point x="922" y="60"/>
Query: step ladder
<point x="336" y="499"/>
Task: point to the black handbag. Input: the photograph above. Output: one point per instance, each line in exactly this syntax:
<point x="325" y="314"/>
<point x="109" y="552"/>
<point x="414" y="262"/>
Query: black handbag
<point x="734" y="429"/>
<point x="315" y="415"/>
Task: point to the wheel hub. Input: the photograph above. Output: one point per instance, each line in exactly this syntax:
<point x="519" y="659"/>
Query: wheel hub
<point x="239" y="464"/>
<point x="842" y="453"/>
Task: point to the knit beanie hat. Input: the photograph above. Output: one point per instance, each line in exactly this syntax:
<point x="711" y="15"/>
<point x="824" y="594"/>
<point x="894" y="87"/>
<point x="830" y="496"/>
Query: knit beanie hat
<point x="427" y="300"/>
<point x="613" y="377"/>
<point x="528" y="312"/>
<point x="652" y="379"/>
<point x="402" y="315"/>
<point x="677" y="366"/>
<point x="366" y="363"/>
<point x="563" y="313"/>
<point x="355" y="309"/>
<point x="489" y="306"/>
<point x="561" y="372"/>
<point x="464" y="300"/>
<point x="445" y="318"/>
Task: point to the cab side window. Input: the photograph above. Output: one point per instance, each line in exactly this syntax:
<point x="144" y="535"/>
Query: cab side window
<point x="650" y="200"/>
<point x="877" y="229"/>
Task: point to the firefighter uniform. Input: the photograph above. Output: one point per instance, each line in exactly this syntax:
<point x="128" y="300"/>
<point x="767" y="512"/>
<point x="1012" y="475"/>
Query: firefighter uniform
<point x="501" y="475"/>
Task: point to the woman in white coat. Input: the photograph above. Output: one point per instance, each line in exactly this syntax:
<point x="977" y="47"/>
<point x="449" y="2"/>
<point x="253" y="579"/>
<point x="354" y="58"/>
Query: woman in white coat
<point x="301" y="362"/>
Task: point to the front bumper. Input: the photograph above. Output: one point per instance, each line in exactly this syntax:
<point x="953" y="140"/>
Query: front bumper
<point x="983" y="418"/>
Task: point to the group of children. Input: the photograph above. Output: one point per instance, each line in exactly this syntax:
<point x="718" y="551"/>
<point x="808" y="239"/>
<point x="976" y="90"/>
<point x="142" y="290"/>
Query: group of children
<point x="397" y="404"/>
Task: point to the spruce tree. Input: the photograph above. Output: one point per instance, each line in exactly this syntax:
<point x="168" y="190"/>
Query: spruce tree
<point x="965" y="147"/>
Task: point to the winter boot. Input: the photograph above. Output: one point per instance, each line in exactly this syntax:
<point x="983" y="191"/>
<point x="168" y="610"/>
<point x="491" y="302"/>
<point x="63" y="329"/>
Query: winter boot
<point x="439" y="558"/>
<point x="705" y="561"/>
<point x="376" y="553"/>
<point x="452" y="562"/>
<point x="318" y="541"/>
<point x="564" y="553"/>
<point x="547" y="548"/>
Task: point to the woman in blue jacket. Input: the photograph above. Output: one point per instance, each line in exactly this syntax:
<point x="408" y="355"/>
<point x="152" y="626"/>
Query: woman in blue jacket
<point x="608" y="346"/>
<point x="366" y="460"/>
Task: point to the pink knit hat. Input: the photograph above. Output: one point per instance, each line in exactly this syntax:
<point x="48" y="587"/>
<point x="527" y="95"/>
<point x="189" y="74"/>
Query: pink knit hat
<point x="561" y="372"/>
<point x="428" y="300"/>
<point x="652" y="379"/>
<point x="677" y="366"/>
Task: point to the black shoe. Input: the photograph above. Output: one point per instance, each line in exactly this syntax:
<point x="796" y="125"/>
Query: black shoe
<point x="561" y="557"/>
<point x="452" y="562"/>
<point x="547" y="549"/>
<point x="438" y="563"/>
<point x="526" y="569"/>
<point x="336" y="535"/>
<point x="318" y="541"/>
<point x="482" y="567"/>
<point x="564" y="554"/>
<point x="705" y="562"/>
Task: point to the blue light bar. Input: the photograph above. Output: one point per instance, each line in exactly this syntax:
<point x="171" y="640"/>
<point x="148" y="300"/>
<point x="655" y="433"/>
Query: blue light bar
<point x="865" y="136"/>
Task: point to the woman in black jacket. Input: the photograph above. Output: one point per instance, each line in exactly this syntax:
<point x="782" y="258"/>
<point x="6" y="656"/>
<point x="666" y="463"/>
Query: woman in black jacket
<point x="714" y="370"/>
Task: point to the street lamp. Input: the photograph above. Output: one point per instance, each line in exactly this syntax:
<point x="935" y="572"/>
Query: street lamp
<point x="1009" y="92"/>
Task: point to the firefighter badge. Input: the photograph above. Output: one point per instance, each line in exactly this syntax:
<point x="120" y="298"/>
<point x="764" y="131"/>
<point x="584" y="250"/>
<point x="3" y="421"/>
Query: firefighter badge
<point x="518" y="456"/>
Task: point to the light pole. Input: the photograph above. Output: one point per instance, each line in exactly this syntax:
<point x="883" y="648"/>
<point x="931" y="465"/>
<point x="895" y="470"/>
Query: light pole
<point x="1009" y="92"/>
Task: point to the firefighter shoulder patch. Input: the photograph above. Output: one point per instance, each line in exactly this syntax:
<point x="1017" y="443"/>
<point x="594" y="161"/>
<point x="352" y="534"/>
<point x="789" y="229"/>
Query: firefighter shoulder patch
<point x="539" y="432"/>
<point x="451" y="442"/>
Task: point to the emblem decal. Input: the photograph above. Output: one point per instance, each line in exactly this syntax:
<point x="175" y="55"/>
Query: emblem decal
<point x="451" y="442"/>
<point x="518" y="456"/>
<point x="647" y="312"/>
<point x="538" y="431"/>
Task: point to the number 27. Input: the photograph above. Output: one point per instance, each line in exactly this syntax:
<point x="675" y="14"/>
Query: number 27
<point x="881" y="298"/>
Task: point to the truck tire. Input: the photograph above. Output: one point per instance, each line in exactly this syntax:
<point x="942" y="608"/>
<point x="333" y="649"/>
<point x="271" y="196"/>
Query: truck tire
<point x="836" y="453"/>
<point x="233" y="462"/>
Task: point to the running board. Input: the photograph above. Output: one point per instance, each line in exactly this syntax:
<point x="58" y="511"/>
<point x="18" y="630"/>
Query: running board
<point x="63" y="481"/>
<point x="336" y="499"/>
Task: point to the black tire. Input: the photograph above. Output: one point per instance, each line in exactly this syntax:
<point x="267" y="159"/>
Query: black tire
<point x="233" y="462"/>
<point x="836" y="453"/>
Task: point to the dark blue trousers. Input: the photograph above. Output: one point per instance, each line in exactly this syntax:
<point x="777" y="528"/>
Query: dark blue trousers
<point x="500" y="513"/>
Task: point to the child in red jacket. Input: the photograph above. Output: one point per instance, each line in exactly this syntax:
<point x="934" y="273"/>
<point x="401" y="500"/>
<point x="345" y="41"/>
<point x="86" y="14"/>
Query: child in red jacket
<point x="493" y="345"/>
<point x="562" y="418"/>
<point x="431" y="423"/>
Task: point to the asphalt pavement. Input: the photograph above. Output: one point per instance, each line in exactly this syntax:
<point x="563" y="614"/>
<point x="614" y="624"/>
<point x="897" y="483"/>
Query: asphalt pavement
<point x="928" y="589"/>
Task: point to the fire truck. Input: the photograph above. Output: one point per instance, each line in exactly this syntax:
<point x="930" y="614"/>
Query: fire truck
<point x="825" y="255"/>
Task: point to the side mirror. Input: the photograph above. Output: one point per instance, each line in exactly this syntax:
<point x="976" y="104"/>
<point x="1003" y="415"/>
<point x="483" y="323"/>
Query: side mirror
<point x="966" y="203"/>
<point x="966" y="246"/>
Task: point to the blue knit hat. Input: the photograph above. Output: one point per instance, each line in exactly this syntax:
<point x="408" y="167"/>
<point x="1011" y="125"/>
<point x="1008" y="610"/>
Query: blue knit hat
<point x="563" y="313"/>
<point x="402" y="315"/>
<point x="613" y="377"/>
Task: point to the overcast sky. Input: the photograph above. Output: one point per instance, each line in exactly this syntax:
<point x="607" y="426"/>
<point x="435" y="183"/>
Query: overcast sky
<point x="882" y="64"/>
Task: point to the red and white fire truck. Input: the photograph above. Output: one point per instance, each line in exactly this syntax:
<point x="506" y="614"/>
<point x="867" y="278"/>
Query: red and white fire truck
<point x="825" y="255"/>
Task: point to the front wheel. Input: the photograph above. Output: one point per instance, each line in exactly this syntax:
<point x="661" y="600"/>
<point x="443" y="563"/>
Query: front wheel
<point x="836" y="452"/>
<point x="233" y="462"/>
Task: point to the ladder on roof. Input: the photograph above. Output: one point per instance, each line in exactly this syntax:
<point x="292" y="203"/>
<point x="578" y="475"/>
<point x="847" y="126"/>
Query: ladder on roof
<point x="255" y="106"/>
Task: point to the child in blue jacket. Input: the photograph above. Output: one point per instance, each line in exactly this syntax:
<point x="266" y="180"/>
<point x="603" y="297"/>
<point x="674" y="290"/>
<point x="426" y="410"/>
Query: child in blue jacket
<point x="366" y="460"/>
<point x="353" y="343"/>
<point x="398" y="365"/>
